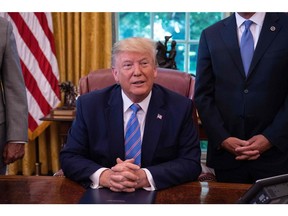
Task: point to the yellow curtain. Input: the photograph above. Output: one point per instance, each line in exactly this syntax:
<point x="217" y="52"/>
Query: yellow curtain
<point x="83" y="43"/>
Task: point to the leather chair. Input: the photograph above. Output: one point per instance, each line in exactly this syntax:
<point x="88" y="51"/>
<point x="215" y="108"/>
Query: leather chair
<point x="180" y="82"/>
<point x="177" y="81"/>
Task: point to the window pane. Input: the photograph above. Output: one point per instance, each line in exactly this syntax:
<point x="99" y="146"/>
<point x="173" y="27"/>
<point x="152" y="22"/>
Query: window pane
<point x="201" y="20"/>
<point x="180" y="56"/>
<point x="192" y="55"/>
<point x="167" y="24"/>
<point x="134" y="25"/>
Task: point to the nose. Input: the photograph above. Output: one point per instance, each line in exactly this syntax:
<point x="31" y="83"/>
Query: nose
<point x="137" y="70"/>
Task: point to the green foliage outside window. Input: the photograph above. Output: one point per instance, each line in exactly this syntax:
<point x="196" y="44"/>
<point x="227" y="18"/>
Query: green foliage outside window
<point x="184" y="27"/>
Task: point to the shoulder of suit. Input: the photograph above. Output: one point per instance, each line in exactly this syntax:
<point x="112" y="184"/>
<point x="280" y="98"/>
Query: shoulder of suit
<point x="165" y="91"/>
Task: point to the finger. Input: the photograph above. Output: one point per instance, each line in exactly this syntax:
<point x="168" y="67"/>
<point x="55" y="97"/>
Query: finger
<point x="254" y="157"/>
<point x="245" y="149"/>
<point x="244" y="143"/>
<point x="131" y="176"/>
<point x="242" y="157"/>
<point x="121" y="185"/>
<point x="124" y="166"/>
<point x="247" y="157"/>
<point x="118" y="160"/>
<point x="124" y="176"/>
<point x="249" y="152"/>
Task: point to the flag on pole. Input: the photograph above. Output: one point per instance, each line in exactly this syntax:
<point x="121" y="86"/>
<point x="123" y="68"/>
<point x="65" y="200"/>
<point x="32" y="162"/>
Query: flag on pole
<point x="35" y="43"/>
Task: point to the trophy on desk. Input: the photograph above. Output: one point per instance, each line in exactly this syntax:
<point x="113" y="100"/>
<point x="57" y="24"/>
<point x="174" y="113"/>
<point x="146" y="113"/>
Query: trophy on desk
<point x="69" y="106"/>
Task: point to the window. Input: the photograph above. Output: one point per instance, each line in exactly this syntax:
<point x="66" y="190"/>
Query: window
<point x="184" y="27"/>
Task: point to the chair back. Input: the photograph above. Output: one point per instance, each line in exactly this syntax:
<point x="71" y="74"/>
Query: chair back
<point x="178" y="81"/>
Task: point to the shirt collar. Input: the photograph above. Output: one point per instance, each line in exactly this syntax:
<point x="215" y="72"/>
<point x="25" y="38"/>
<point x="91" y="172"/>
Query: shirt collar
<point x="257" y="18"/>
<point x="143" y="104"/>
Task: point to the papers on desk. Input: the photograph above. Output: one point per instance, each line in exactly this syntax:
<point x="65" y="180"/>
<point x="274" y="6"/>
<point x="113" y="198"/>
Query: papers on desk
<point x="106" y="196"/>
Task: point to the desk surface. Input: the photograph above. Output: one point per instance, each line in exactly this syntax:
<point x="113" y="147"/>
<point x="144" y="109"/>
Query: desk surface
<point x="61" y="190"/>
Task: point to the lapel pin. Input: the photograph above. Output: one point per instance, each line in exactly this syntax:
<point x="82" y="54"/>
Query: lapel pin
<point x="272" y="28"/>
<point x="159" y="116"/>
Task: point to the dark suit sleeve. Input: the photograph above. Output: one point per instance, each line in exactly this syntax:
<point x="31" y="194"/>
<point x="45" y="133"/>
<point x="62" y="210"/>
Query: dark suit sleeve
<point x="204" y="95"/>
<point x="74" y="157"/>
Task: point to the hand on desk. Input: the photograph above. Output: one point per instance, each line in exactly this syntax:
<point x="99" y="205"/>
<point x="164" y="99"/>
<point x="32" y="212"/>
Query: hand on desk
<point x="124" y="176"/>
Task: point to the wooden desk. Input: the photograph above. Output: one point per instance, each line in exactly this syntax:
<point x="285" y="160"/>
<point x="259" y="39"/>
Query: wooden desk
<point x="61" y="190"/>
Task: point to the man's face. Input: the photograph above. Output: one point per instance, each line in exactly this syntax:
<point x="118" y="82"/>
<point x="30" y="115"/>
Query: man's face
<point x="135" y="72"/>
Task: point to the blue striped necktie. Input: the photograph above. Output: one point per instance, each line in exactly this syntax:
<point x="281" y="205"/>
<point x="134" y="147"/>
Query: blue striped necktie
<point x="133" y="136"/>
<point x="247" y="46"/>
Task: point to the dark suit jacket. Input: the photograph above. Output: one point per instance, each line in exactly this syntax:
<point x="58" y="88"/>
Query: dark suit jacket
<point x="229" y="104"/>
<point x="170" y="146"/>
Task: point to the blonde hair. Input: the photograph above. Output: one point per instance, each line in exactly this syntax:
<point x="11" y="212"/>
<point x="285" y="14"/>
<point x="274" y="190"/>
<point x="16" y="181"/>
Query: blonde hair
<point x="134" y="44"/>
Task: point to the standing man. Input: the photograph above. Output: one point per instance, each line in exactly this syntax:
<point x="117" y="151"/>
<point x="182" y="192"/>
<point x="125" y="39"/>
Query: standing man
<point x="167" y="151"/>
<point x="13" y="100"/>
<point x="244" y="106"/>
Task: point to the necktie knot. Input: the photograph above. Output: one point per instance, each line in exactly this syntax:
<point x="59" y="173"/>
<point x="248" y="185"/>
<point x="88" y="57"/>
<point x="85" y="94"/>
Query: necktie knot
<point x="135" y="108"/>
<point x="247" y="24"/>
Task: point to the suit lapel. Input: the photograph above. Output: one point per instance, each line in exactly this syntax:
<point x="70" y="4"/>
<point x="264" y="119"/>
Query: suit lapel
<point x="269" y="31"/>
<point x="114" y="116"/>
<point x="155" y="117"/>
<point x="230" y="38"/>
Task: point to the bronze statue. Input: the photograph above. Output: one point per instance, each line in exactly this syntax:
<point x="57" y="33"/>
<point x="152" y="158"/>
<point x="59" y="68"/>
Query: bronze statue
<point x="165" y="58"/>
<point x="70" y="94"/>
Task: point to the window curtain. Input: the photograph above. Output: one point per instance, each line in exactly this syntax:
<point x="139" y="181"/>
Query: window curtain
<point x="83" y="43"/>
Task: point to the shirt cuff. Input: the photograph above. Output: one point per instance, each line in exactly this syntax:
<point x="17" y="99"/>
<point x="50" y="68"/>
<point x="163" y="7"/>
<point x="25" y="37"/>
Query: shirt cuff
<point x="150" y="180"/>
<point x="95" y="178"/>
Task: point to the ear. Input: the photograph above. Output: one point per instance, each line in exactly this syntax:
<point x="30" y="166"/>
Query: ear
<point x="115" y="75"/>
<point x="155" y="72"/>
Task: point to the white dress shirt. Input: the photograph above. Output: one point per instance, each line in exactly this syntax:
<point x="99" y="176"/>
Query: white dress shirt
<point x="255" y="28"/>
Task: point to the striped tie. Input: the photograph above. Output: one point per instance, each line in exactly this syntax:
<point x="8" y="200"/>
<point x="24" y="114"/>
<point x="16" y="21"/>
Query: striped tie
<point x="133" y="136"/>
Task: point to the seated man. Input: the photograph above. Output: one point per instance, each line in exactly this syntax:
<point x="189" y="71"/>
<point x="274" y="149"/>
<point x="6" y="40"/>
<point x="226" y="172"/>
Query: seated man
<point x="163" y="148"/>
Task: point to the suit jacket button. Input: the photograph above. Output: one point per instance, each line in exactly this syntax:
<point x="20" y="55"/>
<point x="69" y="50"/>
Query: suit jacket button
<point x="246" y="91"/>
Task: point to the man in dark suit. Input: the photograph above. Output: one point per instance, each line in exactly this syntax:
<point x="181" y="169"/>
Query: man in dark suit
<point x="245" y="116"/>
<point x="95" y="153"/>
<point x="13" y="100"/>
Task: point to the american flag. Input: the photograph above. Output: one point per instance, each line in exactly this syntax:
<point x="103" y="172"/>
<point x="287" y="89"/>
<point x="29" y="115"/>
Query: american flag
<point x="35" y="43"/>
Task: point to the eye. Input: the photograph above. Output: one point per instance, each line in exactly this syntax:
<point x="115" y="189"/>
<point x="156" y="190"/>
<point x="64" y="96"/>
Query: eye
<point x="127" y="65"/>
<point x="144" y="63"/>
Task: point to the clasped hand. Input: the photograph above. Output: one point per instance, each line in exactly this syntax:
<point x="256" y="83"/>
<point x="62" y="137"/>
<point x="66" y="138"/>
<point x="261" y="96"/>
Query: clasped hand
<point x="247" y="149"/>
<point x="124" y="176"/>
<point x="13" y="152"/>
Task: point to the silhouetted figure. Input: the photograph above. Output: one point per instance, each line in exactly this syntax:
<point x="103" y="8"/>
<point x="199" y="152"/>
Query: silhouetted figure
<point x="165" y="58"/>
<point x="70" y="94"/>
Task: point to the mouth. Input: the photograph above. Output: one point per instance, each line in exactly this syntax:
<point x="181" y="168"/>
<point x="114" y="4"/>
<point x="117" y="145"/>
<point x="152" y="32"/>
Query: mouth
<point x="138" y="82"/>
